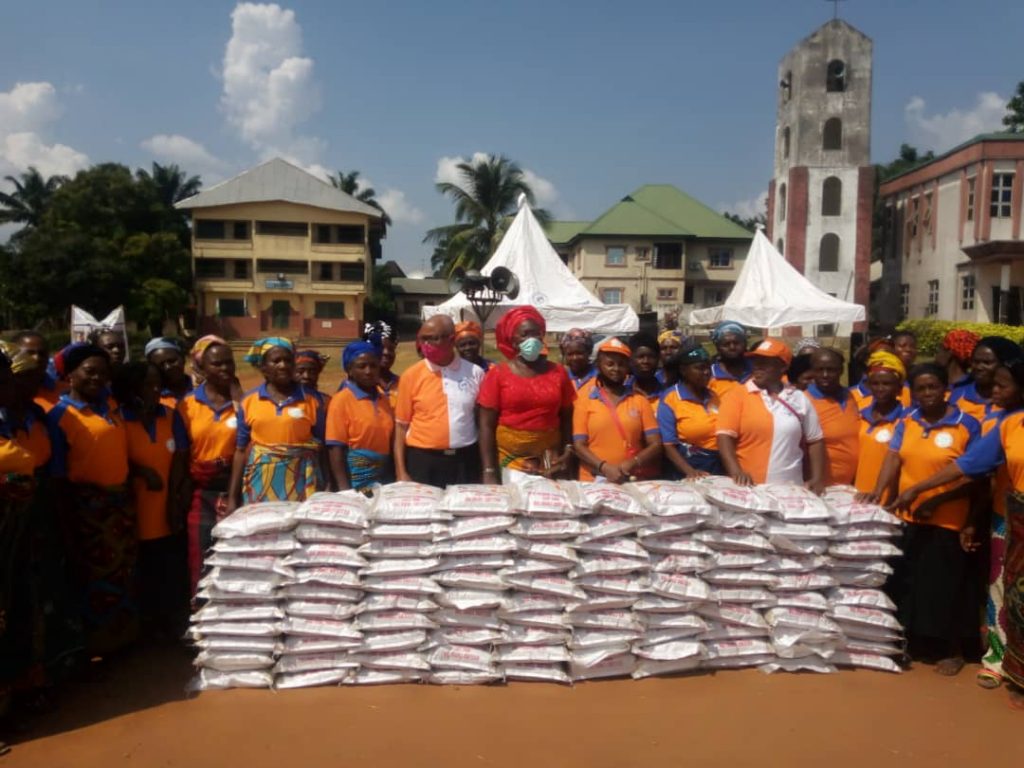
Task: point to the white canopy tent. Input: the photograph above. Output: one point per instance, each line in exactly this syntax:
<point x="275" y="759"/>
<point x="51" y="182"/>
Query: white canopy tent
<point x="770" y="293"/>
<point x="544" y="283"/>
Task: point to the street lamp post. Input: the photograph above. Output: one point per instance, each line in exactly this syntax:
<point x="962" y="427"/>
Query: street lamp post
<point x="484" y="292"/>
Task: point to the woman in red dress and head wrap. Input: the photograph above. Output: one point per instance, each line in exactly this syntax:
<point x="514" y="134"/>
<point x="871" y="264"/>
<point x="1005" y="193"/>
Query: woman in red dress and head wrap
<point x="525" y="404"/>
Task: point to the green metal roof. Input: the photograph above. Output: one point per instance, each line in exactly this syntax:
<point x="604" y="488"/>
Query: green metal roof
<point x="662" y="210"/>
<point x="559" y="232"/>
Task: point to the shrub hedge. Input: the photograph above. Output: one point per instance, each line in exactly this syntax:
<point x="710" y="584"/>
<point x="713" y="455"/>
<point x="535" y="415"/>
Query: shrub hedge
<point x="930" y="333"/>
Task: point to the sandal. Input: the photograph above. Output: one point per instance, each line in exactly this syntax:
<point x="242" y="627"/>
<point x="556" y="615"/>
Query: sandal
<point x="988" y="679"/>
<point x="949" y="667"/>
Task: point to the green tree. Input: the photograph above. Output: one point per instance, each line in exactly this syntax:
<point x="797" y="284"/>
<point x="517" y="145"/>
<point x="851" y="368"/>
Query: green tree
<point x="485" y="197"/>
<point x="349" y="184"/>
<point x="748" y="223"/>
<point x="380" y="304"/>
<point x="1014" y="119"/>
<point x="29" y="200"/>
<point x="172" y="184"/>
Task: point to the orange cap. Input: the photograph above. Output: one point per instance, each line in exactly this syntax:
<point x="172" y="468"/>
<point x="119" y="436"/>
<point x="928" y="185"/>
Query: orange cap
<point x="773" y="348"/>
<point x="614" y="347"/>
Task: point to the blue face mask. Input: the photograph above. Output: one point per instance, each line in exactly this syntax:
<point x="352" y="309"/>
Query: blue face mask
<point x="530" y="349"/>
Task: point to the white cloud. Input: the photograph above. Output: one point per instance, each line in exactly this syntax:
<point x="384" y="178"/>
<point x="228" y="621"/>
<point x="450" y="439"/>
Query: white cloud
<point x="749" y="208"/>
<point x="399" y="208"/>
<point x="190" y="155"/>
<point x="448" y="171"/>
<point x="27" y="112"/>
<point x="944" y="131"/>
<point x="269" y="85"/>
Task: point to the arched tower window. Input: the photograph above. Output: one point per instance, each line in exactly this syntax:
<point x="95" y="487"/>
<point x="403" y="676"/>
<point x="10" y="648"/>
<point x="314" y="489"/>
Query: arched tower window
<point x="828" y="253"/>
<point x="831" y="197"/>
<point x="832" y="135"/>
<point x="835" y="76"/>
<point x="786" y="86"/>
<point x="785" y="143"/>
<point x="782" y="202"/>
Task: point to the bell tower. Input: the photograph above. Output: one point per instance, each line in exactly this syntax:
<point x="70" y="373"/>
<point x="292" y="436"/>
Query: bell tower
<point x="820" y="198"/>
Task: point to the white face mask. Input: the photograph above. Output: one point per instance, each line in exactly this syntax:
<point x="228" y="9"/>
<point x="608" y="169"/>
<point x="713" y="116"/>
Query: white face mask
<point x="530" y="349"/>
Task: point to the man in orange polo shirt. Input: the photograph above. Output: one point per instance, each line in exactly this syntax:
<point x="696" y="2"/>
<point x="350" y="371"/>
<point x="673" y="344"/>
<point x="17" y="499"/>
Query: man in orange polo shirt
<point x="435" y="415"/>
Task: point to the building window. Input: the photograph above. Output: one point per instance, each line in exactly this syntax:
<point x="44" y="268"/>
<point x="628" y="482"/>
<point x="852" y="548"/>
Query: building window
<point x="835" y="76"/>
<point x="828" y="253"/>
<point x="782" y="202"/>
<point x="714" y="296"/>
<point x="780" y="246"/>
<point x="785" y="143"/>
<point x="352" y="273"/>
<point x="667" y="294"/>
<point x="720" y="258"/>
<point x="338" y="234"/>
<point x="324" y="270"/>
<point x="905" y="301"/>
<point x="832" y="135"/>
<point x="926" y="218"/>
<point x="970" y="198"/>
<point x="933" y="298"/>
<point x="218" y="229"/>
<point x="211" y="267"/>
<point x="241" y="269"/>
<point x="915" y="211"/>
<point x="611" y="295"/>
<point x="967" y="291"/>
<point x="615" y="256"/>
<point x="282" y="266"/>
<point x="831" y="196"/>
<point x="786" y="86"/>
<point x="668" y="255"/>
<point x="688" y="294"/>
<point x="282" y="228"/>
<point x="410" y="307"/>
<point x="1002" y="196"/>
<point x="329" y="310"/>
<point x="231" y="307"/>
<point x="643" y="254"/>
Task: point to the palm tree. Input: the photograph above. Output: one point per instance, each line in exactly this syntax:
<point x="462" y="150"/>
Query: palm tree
<point x="29" y="200"/>
<point x="172" y="183"/>
<point x="349" y="184"/>
<point x="486" y="197"/>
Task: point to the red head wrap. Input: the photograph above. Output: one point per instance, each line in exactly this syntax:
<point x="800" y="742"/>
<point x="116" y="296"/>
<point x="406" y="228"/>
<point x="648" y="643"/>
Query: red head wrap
<point x="507" y="326"/>
<point x="961" y="344"/>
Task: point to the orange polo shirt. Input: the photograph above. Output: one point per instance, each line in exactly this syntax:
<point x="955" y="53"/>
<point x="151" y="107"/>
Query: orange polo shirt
<point x="594" y="425"/>
<point x="153" y="447"/>
<point x="967" y="399"/>
<point x="89" y="443"/>
<point x="875" y="435"/>
<point x="359" y="419"/>
<point x="46" y="398"/>
<point x="34" y="437"/>
<point x="1002" y="482"/>
<point x="390" y="389"/>
<point x="685" y="419"/>
<point x="926" y="448"/>
<point x="863" y="398"/>
<point x="296" y="421"/>
<point x="722" y="381"/>
<point x="212" y="432"/>
<point x="840" y="424"/>
<point x="1004" y="445"/>
<point x="15" y="459"/>
<point x="438" y="404"/>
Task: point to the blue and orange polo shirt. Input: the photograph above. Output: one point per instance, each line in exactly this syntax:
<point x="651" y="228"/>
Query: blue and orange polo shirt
<point x="298" y="420"/>
<point x="1002" y="447"/>
<point x="688" y="420"/>
<point x="360" y="419"/>
<point x="924" y="449"/>
<point x="863" y="398"/>
<point x="33" y="436"/>
<point x="89" y="442"/>
<point x="968" y="400"/>
<point x="876" y="431"/>
<point x="840" y="424"/>
<point x="579" y="382"/>
<point x="594" y="425"/>
<point x="722" y="381"/>
<point x="153" y="446"/>
<point x="1002" y="483"/>
<point x="212" y="431"/>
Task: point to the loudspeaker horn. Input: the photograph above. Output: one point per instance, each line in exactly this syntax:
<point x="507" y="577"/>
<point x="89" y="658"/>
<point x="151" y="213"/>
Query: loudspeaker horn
<point x="503" y="280"/>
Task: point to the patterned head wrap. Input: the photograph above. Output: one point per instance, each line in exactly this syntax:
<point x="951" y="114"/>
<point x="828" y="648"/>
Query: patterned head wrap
<point x="577" y="336"/>
<point x="23" y="362"/>
<point x="357" y="348"/>
<point x="507" y="326"/>
<point x="723" y="329"/>
<point x="161" y="342"/>
<point x="887" y="361"/>
<point x="961" y="343"/>
<point x="312" y="354"/>
<point x="378" y="332"/>
<point x="7" y="354"/>
<point x="200" y="347"/>
<point x="671" y="334"/>
<point x="468" y="328"/>
<point x="807" y="343"/>
<point x="74" y="355"/>
<point x="261" y="346"/>
<point x="692" y="352"/>
<point x="884" y="343"/>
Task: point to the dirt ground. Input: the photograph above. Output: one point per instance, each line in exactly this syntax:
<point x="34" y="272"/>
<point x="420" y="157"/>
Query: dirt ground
<point x="136" y="713"/>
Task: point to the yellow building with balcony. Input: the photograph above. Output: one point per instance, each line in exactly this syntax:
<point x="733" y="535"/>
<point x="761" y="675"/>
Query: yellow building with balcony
<point x="278" y="250"/>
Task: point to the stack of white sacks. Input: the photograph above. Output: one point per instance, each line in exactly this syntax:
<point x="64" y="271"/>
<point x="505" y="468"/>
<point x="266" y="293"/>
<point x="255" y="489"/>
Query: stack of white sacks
<point x="551" y="581"/>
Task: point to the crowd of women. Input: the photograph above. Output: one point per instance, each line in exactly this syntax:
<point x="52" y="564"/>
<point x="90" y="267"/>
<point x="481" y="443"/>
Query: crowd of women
<point x="115" y="472"/>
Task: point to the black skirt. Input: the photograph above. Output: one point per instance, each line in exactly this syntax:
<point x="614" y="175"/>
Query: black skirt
<point x="933" y="589"/>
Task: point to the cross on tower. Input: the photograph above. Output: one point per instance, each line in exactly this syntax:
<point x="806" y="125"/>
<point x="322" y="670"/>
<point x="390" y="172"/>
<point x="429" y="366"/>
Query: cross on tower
<point x="835" y="4"/>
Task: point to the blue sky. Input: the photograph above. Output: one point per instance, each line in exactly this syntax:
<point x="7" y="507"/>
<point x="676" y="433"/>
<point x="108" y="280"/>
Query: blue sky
<point x="593" y="98"/>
